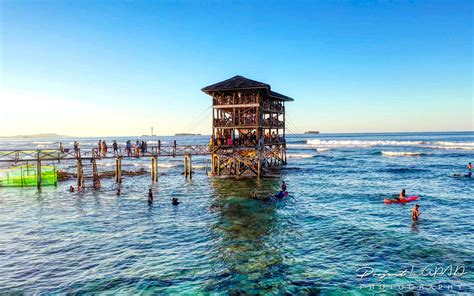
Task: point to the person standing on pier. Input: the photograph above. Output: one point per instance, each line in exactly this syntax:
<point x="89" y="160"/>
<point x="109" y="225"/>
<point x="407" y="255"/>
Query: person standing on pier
<point x="115" y="147"/>
<point x="137" y="149"/>
<point x="128" y="147"/>
<point x="143" y="148"/>
<point x="76" y="149"/>
<point x="104" y="149"/>
<point x="99" y="148"/>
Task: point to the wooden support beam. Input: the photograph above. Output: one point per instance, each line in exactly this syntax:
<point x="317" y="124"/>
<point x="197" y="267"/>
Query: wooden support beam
<point x="79" y="173"/>
<point x="185" y="164"/>
<point x="95" y="174"/>
<point x="190" y="167"/>
<point x="118" y="170"/>
<point x="154" y="169"/>
<point x="38" y="171"/>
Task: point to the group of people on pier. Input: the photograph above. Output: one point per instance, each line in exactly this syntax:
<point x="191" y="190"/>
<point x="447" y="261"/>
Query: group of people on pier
<point x="231" y="100"/>
<point x="136" y="149"/>
<point x="139" y="148"/>
<point x="245" y="139"/>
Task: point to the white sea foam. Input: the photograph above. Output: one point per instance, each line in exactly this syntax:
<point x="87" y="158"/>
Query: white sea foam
<point x="299" y="146"/>
<point x="318" y="144"/>
<point x="43" y="143"/>
<point x="460" y="144"/>
<point x="294" y="155"/>
<point x="359" y="143"/>
<point x="322" y="149"/>
<point x="451" y="147"/>
<point x="143" y="165"/>
<point x="401" y="153"/>
<point x="167" y="165"/>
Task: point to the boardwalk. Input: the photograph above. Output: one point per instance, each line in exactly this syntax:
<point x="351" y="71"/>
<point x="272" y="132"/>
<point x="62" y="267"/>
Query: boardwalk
<point x="26" y="155"/>
<point x="40" y="156"/>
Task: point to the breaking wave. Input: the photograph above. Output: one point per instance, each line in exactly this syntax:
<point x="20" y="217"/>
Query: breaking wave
<point x="322" y="149"/>
<point x="317" y="143"/>
<point x="401" y="153"/>
<point x="360" y="143"/>
<point x="294" y="155"/>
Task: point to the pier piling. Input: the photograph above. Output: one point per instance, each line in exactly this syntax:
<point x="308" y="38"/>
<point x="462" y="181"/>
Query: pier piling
<point x="38" y="171"/>
<point x="118" y="170"/>
<point x="188" y="166"/>
<point x="80" y="172"/>
<point x="154" y="169"/>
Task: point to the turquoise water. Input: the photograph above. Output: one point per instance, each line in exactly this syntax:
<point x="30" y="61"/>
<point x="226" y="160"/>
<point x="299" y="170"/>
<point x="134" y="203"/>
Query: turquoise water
<point x="317" y="240"/>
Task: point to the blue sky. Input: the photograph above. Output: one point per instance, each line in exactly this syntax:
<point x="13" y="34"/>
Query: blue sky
<point x="117" y="68"/>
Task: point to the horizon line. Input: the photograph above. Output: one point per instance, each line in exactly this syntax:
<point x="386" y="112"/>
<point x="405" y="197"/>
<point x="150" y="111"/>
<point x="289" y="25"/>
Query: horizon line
<point x="32" y="136"/>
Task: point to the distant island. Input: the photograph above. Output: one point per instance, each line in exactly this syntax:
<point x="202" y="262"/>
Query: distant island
<point x="186" y="134"/>
<point x="311" y="133"/>
<point x="46" y="135"/>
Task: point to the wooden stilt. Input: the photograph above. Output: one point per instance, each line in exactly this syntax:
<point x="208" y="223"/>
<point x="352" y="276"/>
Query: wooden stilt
<point x="154" y="169"/>
<point x="152" y="173"/>
<point x="234" y="167"/>
<point x="95" y="174"/>
<point x="119" y="170"/>
<point x="38" y="171"/>
<point x="185" y="166"/>
<point x="190" y="167"/>
<point x="79" y="173"/>
<point x="259" y="165"/>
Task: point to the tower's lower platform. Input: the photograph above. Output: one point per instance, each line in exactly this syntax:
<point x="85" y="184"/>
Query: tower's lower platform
<point x="247" y="161"/>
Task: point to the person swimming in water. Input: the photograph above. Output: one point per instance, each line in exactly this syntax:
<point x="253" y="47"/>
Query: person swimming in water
<point x="71" y="188"/>
<point x="415" y="212"/>
<point x="175" y="201"/>
<point x="469" y="166"/>
<point x="150" y="196"/>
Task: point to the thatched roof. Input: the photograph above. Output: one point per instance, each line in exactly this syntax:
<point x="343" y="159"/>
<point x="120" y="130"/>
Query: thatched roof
<point x="242" y="83"/>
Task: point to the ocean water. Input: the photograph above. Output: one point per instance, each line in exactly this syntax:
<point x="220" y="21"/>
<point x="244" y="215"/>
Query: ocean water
<point x="331" y="228"/>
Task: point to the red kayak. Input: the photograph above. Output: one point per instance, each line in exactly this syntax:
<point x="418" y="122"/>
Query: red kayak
<point x="407" y="199"/>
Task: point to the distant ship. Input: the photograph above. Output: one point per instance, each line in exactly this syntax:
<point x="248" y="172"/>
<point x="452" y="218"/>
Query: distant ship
<point x="186" y="134"/>
<point x="311" y="132"/>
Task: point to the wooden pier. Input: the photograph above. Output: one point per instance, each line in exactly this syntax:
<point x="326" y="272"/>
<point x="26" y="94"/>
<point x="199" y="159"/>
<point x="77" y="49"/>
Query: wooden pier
<point x="81" y="157"/>
<point x="248" y="138"/>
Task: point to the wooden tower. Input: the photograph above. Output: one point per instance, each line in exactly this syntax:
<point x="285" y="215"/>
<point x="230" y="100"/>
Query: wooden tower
<point x="248" y="127"/>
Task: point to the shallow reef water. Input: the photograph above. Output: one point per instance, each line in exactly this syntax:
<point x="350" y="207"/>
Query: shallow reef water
<point x="320" y="239"/>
